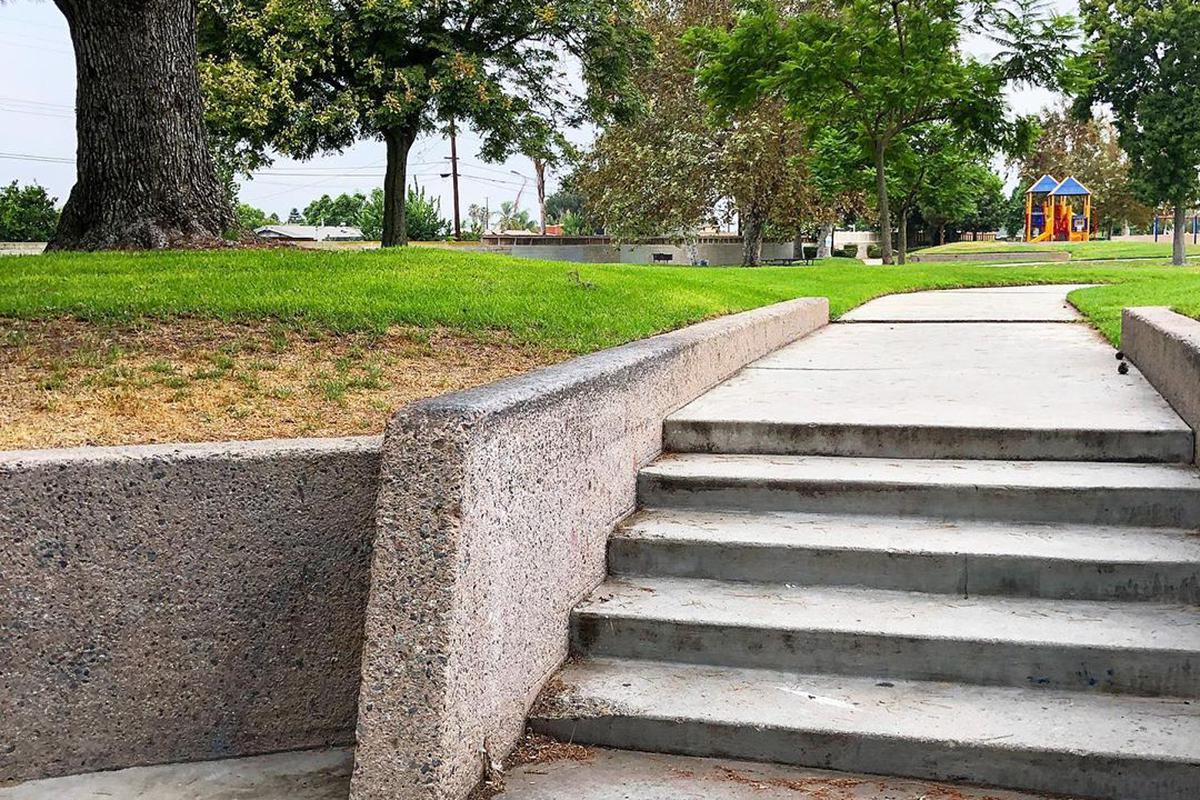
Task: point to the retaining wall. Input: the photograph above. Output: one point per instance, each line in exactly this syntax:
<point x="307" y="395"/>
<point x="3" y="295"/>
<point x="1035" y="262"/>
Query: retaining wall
<point x="174" y="603"/>
<point x="1165" y="347"/>
<point x="495" y="507"/>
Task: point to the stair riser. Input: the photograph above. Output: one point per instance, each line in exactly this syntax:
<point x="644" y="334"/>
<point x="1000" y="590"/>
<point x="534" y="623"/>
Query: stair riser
<point x="1179" y="508"/>
<point x="1011" y="576"/>
<point x="981" y="662"/>
<point x="1082" y="776"/>
<point x="888" y="441"/>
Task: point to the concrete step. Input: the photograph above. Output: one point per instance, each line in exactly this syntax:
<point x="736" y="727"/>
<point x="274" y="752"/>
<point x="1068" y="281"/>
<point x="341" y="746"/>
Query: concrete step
<point x="881" y="440"/>
<point x="595" y="773"/>
<point x="1072" y="743"/>
<point x="934" y="390"/>
<point x="961" y="557"/>
<point x="1157" y="495"/>
<point x="1134" y="648"/>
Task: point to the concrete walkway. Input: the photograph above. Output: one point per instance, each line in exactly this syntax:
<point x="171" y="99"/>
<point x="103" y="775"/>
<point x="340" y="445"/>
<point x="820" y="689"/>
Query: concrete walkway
<point x="1015" y="383"/>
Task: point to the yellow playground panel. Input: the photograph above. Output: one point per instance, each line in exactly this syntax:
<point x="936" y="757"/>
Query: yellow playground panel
<point x="1058" y="211"/>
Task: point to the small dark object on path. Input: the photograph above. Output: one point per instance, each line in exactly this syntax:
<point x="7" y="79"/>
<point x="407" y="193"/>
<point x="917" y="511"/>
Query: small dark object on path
<point x="1123" y="368"/>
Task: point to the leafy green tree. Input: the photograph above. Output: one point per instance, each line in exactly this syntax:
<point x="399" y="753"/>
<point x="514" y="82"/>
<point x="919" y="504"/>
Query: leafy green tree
<point x="515" y="219"/>
<point x="370" y="219"/>
<point x="345" y="209"/>
<point x="1142" y="57"/>
<point x="425" y="222"/>
<point x="872" y="69"/>
<point x="27" y="213"/>
<point x="250" y="217"/>
<point x="310" y="76"/>
<point x="295" y="217"/>
<point x="688" y="162"/>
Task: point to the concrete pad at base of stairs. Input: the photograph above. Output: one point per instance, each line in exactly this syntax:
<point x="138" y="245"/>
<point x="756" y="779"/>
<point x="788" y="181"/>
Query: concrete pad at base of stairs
<point x="626" y="775"/>
<point x="602" y="775"/>
<point x="999" y="304"/>
<point x="298" y="775"/>
<point x="938" y="391"/>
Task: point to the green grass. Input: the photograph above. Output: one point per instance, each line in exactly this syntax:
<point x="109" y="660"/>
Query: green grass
<point x="566" y="306"/>
<point x="1078" y="250"/>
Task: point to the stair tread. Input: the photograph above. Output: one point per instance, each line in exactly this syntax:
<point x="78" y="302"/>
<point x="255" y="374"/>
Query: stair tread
<point x="1101" y="544"/>
<point x="703" y="467"/>
<point x="978" y="716"/>
<point x="864" y="611"/>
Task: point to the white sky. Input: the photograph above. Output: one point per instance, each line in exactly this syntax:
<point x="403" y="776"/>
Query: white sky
<point x="37" y="96"/>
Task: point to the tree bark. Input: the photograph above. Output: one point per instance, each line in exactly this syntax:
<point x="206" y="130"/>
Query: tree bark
<point x="1179" y="240"/>
<point x="902" y="234"/>
<point x="752" y="234"/>
<point x="395" y="222"/>
<point x="144" y="175"/>
<point x="539" y="170"/>
<point x="823" y="248"/>
<point x="885" y="212"/>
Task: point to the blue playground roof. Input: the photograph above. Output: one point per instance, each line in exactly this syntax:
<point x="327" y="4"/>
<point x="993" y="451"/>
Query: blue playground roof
<point x="1044" y="185"/>
<point x="1070" y="188"/>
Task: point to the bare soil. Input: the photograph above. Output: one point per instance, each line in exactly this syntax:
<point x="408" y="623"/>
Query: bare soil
<point x="67" y="383"/>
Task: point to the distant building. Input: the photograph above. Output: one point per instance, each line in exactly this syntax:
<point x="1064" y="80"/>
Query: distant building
<point x="310" y="233"/>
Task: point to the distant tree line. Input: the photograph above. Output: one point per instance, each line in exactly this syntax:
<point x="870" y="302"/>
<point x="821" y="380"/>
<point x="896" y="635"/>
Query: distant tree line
<point x="27" y="213"/>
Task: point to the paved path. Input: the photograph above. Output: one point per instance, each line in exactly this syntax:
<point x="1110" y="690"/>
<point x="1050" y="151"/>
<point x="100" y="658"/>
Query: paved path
<point x="1016" y="378"/>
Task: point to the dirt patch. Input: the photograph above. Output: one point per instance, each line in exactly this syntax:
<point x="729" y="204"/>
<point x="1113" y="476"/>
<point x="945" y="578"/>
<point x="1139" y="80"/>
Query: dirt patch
<point x="67" y="383"/>
<point x="534" y="748"/>
<point x="833" y="787"/>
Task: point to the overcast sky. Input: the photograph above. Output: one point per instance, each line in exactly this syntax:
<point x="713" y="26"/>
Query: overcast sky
<point x="37" y="131"/>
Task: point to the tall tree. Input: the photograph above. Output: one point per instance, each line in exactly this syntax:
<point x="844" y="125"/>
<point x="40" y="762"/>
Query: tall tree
<point x="144" y="175"/>
<point x="1142" y="57"/>
<point x="688" y="161"/>
<point x="1089" y="150"/>
<point x="872" y="68"/>
<point x="310" y="76"/>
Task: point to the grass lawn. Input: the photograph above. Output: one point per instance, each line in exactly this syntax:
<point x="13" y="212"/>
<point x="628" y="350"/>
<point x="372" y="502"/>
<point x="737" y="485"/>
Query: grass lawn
<point x="106" y="348"/>
<point x="1100" y="250"/>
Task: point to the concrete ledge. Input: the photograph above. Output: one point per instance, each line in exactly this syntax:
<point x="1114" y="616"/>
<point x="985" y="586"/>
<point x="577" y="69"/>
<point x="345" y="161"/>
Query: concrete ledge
<point x="495" y="507"/>
<point x="180" y="602"/>
<point x="990" y="257"/>
<point x="1165" y="347"/>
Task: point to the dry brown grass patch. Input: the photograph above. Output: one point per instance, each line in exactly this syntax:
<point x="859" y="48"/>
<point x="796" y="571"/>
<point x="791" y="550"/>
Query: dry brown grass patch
<point x="66" y="383"/>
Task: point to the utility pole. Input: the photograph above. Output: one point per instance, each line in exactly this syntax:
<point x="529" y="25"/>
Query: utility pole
<point x="454" y="180"/>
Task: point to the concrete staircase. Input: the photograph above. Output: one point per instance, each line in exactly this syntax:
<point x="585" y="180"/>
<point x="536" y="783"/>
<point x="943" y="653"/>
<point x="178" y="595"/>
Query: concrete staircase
<point x="1025" y="624"/>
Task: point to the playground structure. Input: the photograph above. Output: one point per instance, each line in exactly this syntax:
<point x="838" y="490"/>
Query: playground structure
<point x="1058" y="211"/>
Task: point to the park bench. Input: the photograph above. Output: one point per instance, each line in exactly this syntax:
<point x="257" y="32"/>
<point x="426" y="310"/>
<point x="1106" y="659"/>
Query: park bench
<point x="787" y="262"/>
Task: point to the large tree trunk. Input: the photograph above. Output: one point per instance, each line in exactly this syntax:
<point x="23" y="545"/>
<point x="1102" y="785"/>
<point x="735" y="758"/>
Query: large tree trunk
<point x="885" y="212"/>
<point x="1179" y="240"/>
<point x="539" y="169"/>
<point x="144" y="174"/>
<point x="823" y="246"/>
<point x="395" y="223"/>
<point x="902" y="232"/>
<point x="752" y="234"/>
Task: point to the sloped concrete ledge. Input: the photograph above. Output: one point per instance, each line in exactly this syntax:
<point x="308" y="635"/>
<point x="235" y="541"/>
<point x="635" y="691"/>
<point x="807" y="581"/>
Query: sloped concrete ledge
<point x="1165" y="346"/>
<point x="495" y="506"/>
<point x="181" y="602"/>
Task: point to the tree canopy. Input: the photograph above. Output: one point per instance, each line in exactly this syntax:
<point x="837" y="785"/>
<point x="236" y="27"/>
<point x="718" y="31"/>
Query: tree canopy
<point x="1142" y="57"/>
<point x="872" y="69"/>
<point x="311" y="76"/>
